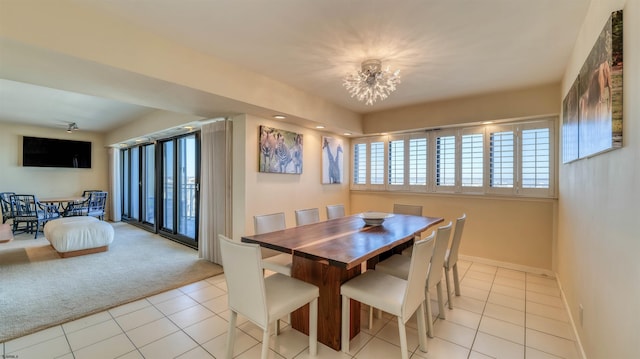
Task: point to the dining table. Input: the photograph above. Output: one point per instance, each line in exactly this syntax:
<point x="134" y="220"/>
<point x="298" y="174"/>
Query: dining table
<point x="63" y="202"/>
<point x="329" y="253"/>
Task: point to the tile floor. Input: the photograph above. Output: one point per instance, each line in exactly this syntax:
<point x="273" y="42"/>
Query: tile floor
<point x="502" y="313"/>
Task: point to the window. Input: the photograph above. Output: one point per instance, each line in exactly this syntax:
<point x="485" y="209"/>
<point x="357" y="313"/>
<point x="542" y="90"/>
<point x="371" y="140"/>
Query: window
<point x="472" y="157"/>
<point x="377" y="163"/>
<point x="360" y="164"/>
<point x="417" y="161"/>
<point x="396" y="162"/>
<point x="445" y="161"/>
<point x="514" y="159"/>
<point x="535" y="158"/>
<point x="369" y="164"/>
<point x="502" y="156"/>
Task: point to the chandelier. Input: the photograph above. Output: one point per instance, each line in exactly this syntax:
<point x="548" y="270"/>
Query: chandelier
<point x="371" y="82"/>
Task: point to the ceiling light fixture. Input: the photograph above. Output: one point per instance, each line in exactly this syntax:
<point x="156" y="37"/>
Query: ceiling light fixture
<point x="72" y="127"/>
<point x="371" y="82"/>
<point x="280" y="117"/>
<point x="319" y="127"/>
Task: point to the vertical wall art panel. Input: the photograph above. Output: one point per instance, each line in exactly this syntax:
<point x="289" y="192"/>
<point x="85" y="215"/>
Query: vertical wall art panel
<point x="332" y="160"/>
<point x="280" y="151"/>
<point x="570" y="118"/>
<point x="599" y="86"/>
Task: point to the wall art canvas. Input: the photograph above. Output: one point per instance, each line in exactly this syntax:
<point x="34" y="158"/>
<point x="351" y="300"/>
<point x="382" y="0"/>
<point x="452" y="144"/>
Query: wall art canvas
<point x="280" y="151"/>
<point x="595" y="99"/>
<point x="332" y="160"/>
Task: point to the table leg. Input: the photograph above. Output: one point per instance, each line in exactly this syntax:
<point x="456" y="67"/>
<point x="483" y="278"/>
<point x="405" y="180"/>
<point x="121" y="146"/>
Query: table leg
<point x="328" y="279"/>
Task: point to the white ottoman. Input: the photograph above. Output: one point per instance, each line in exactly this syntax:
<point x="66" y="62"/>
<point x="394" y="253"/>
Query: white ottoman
<point x="74" y="236"/>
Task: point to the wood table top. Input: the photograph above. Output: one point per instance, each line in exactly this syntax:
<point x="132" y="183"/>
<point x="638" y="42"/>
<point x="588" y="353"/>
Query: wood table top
<point x="344" y="242"/>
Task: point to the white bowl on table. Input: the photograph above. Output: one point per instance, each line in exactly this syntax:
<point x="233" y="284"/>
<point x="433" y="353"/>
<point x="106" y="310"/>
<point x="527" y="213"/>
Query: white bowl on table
<point x="374" y="218"/>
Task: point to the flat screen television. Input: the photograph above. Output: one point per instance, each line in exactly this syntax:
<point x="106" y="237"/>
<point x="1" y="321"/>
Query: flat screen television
<point x="50" y="152"/>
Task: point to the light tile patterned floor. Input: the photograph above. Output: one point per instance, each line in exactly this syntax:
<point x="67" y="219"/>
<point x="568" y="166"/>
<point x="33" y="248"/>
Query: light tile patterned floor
<point x="502" y="313"/>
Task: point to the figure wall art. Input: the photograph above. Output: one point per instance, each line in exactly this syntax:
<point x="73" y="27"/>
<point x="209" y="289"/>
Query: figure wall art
<point x="332" y="160"/>
<point x="280" y="151"/>
<point x="592" y="109"/>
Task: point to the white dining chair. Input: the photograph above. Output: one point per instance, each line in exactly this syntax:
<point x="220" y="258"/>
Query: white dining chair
<point x="335" y="211"/>
<point x="451" y="259"/>
<point x="307" y="216"/>
<point x="413" y="210"/>
<point x="262" y="300"/>
<point x="273" y="260"/>
<point x="399" y="266"/>
<point x="394" y="295"/>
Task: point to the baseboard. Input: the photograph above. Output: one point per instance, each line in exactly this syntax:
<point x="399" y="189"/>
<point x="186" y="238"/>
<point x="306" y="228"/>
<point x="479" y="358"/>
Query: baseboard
<point x="538" y="271"/>
<point x="514" y="266"/>
<point x="581" y="352"/>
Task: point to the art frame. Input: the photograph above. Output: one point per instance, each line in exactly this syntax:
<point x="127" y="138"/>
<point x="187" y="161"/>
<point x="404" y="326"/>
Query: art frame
<point x="332" y="162"/>
<point x="280" y="151"/>
<point x="592" y="109"/>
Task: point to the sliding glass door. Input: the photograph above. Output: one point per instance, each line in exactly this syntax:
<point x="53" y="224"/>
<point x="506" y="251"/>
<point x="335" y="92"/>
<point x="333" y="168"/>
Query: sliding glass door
<point x="139" y="185"/>
<point x="161" y="187"/>
<point x="180" y="188"/>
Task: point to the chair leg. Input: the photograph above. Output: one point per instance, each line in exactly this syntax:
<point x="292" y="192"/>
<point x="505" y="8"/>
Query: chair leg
<point x="313" y="327"/>
<point x="422" y="330"/>
<point x="403" y="339"/>
<point x="456" y="279"/>
<point x="429" y="314"/>
<point x="231" y="335"/>
<point x="277" y="327"/>
<point x="441" y="312"/>
<point x="265" y="343"/>
<point x="446" y="277"/>
<point x="345" y="324"/>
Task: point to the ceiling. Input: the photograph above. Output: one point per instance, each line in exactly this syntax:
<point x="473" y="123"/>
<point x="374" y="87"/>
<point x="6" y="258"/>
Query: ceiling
<point x="443" y="49"/>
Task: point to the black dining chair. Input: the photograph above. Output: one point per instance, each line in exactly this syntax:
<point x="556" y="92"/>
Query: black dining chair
<point x="6" y="205"/>
<point x="26" y="210"/>
<point x="97" y="204"/>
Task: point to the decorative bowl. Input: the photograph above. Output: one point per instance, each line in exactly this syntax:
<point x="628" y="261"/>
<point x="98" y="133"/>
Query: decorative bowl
<point x="374" y="218"/>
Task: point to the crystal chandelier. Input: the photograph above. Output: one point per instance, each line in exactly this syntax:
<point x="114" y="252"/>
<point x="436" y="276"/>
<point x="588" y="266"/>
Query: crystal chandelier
<point x="371" y="83"/>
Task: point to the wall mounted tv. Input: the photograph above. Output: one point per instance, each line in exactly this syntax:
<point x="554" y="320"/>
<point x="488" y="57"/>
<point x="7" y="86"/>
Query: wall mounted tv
<point x="50" y="152"/>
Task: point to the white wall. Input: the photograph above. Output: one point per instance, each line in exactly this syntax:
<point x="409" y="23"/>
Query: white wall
<point x="45" y="181"/>
<point x="599" y="209"/>
<point x="257" y="193"/>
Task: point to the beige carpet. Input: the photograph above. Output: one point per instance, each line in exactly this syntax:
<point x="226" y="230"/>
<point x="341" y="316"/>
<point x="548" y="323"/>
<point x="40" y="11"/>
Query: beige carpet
<point x="38" y="289"/>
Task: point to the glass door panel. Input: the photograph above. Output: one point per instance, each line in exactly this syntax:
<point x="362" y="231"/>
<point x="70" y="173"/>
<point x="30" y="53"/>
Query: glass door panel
<point x="167" y="185"/>
<point x="187" y="186"/>
<point x="134" y="197"/>
<point x="126" y="183"/>
<point x="149" y="184"/>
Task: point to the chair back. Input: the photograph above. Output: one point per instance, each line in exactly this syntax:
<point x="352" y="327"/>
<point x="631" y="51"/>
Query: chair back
<point x="97" y="203"/>
<point x="407" y="209"/>
<point x="245" y="280"/>
<point x="455" y="242"/>
<point x="335" y="211"/>
<point x="307" y="216"/>
<point x="24" y="206"/>
<point x="269" y="223"/>
<point x="87" y="192"/>
<point x="437" y="260"/>
<point x="418" y="268"/>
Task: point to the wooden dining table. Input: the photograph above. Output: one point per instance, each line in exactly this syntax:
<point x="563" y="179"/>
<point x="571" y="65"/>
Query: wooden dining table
<point x="329" y="253"/>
